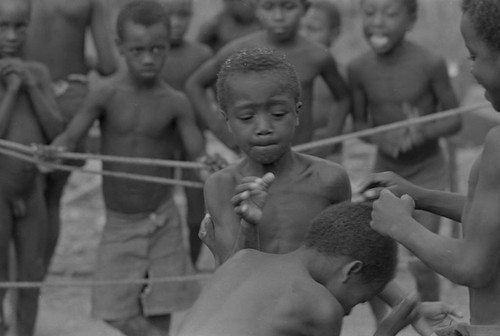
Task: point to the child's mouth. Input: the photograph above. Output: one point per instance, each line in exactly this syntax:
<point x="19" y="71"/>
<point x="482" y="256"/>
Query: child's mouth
<point x="379" y="41"/>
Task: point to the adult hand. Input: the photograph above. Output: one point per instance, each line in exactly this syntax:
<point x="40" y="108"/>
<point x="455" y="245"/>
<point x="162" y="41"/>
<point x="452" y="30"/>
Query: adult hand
<point x="439" y="314"/>
<point x="395" y="183"/>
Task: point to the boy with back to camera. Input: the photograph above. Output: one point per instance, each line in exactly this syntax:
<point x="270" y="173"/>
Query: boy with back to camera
<point x="473" y="260"/>
<point x="56" y="38"/>
<point x="280" y="20"/>
<point x="396" y="80"/>
<point x="28" y="114"/>
<point x="322" y="24"/>
<point x="235" y="20"/>
<point x="184" y="58"/>
<point x="341" y="263"/>
<point x="139" y="115"/>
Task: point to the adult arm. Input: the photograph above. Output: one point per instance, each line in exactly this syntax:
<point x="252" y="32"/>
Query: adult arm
<point x="464" y="261"/>
<point x="100" y="16"/>
<point x="42" y="98"/>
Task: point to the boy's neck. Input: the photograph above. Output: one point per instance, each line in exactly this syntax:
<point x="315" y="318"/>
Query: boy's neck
<point x="279" y="167"/>
<point x="139" y="84"/>
<point x="282" y="43"/>
<point x="174" y="45"/>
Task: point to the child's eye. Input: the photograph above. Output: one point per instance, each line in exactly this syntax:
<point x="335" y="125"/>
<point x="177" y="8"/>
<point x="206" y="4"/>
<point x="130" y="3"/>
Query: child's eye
<point x="157" y="50"/>
<point x="472" y="57"/>
<point x="245" y="117"/>
<point x="289" y="5"/>
<point x="279" y="114"/>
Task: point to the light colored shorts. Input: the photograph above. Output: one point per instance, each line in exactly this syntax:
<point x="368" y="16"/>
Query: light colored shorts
<point x="137" y="247"/>
<point x="462" y="329"/>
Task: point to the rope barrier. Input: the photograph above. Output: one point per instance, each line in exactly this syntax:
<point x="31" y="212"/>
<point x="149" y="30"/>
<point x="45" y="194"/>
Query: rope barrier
<point x="97" y="283"/>
<point x="390" y="127"/>
<point x="130" y="176"/>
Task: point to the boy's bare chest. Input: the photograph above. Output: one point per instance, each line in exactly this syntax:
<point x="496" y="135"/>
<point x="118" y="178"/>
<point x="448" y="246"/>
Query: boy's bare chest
<point x="71" y="10"/>
<point x="150" y="117"/>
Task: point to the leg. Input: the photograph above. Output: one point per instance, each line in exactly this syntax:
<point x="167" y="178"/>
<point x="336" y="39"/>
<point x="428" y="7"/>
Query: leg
<point x="427" y="280"/>
<point x="53" y="192"/>
<point x="5" y="238"/>
<point x="30" y="241"/>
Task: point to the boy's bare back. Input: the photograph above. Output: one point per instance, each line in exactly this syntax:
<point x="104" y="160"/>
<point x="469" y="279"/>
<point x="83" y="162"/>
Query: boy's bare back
<point x="290" y="303"/>
<point x="296" y="197"/>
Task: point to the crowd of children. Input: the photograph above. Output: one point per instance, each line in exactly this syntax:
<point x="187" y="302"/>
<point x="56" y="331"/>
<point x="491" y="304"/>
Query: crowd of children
<point x="268" y="67"/>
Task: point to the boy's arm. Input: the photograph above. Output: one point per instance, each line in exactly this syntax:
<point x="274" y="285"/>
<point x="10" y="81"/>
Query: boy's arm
<point x="191" y="135"/>
<point x="441" y="203"/>
<point x="77" y="128"/>
<point x="13" y="85"/>
<point x="359" y="108"/>
<point x="42" y="98"/>
<point x="466" y="261"/>
<point x="340" y="92"/>
<point x="196" y="88"/>
<point x="442" y="88"/>
<point x="218" y="191"/>
<point x="106" y="62"/>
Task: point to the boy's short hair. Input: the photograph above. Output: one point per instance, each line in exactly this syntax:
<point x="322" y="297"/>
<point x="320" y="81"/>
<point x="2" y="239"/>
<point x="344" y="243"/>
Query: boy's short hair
<point x="257" y="60"/>
<point x="344" y="230"/>
<point x="331" y="10"/>
<point x="485" y="17"/>
<point x="411" y="6"/>
<point x="143" y="12"/>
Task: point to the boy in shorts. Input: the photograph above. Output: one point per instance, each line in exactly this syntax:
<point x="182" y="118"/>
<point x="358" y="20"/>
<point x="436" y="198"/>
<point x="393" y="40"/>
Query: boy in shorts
<point x="28" y="114"/>
<point x="184" y="58"/>
<point x="139" y="116"/>
<point x="473" y="260"/>
<point x="395" y="80"/>
<point x="56" y="38"/>
<point x="322" y="24"/>
<point x="280" y="20"/>
<point x="235" y="20"/>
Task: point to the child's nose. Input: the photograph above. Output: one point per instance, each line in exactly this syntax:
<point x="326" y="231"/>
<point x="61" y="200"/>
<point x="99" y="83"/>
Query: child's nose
<point x="147" y="58"/>
<point x="11" y="34"/>
<point x="278" y="13"/>
<point x="264" y="125"/>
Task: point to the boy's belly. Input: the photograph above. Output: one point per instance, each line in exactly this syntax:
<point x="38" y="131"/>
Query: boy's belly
<point x="16" y="176"/>
<point x="485" y="303"/>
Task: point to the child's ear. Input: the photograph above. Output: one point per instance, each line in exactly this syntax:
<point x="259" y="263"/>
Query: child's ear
<point x="351" y="269"/>
<point x="119" y="45"/>
<point x="224" y="115"/>
<point x="298" y="106"/>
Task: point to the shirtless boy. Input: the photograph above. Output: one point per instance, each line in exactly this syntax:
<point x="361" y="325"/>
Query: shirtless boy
<point x="395" y="80"/>
<point x="56" y="38"/>
<point x="342" y="262"/>
<point x="28" y="114"/>
<point x="322" y="24"/>
<point x="184" y="58"/>
<point x="280" y="20"/>
<point x="474" y="260"/>
<point x="259" y="92"/>
<point x="139" y="115"/>
<point x="235" y="20"/>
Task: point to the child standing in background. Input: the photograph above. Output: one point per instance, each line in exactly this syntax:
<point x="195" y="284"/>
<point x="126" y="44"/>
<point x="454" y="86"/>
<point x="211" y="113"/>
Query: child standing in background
<point x="322" y="24"/>
<point x="396" y="80"/>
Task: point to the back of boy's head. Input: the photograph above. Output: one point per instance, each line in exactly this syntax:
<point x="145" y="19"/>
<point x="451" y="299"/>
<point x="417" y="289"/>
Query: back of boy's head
<point x="331" y="10"/>
<point x="257" y="60"/>
<point x="142" y="12"/>
<point x="344" y="230"/>
<point x="485" y="17"/>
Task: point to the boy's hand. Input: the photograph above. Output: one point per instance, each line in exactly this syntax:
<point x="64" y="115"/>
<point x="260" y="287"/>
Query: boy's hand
<point x="389" y="142"/>
<point x="414" y="133"/>
<point x="389" y="211"/>
<point x="213" y="163"/>
<point x="395" y="183"/>
<point x="11" y="73"/>
<point x="46" y="154"/>
<point x="401" y="316"/>
<point x="439" y="314"/>
<point x="250" y="197"/>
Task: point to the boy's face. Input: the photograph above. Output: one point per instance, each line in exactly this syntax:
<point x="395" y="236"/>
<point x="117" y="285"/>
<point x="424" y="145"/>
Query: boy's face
<point x="485" y="62"/>
<point x="281" y="18"/>
<point x="144" y="49"/>
<point x="357" y="291"/>
<point x="261" y="114"/>
<point x="14" y="18"/>
<point x="181" y="12"/>
<point x="385" y="23"/>
<point x="315" y="25"/>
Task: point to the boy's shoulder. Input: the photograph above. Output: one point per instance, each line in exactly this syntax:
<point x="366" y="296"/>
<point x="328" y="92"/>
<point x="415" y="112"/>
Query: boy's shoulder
<point x="424" y="55"/>
<point x="492" y="146"/>
<point x="325" y="169"/>
<point x="197" y="49"/>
